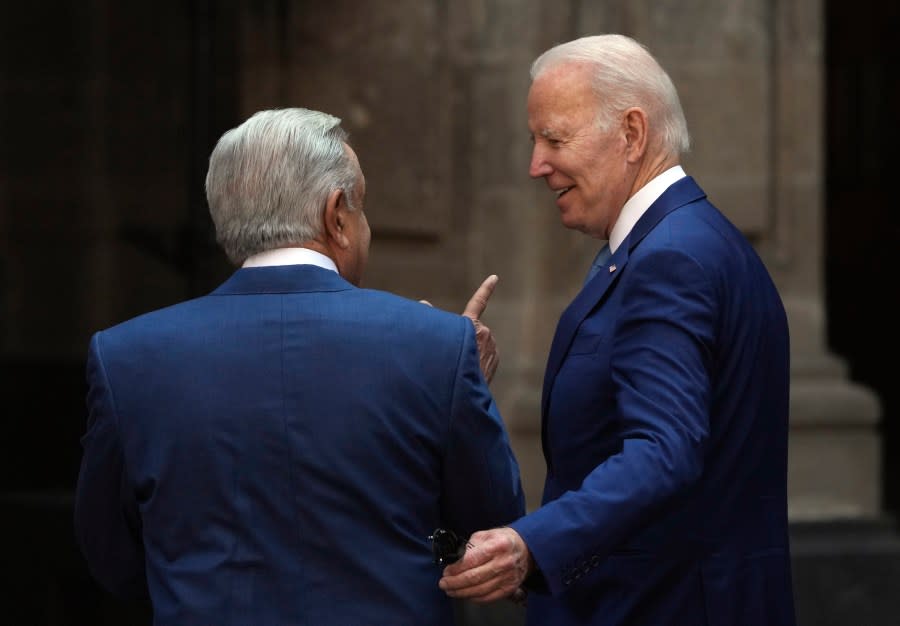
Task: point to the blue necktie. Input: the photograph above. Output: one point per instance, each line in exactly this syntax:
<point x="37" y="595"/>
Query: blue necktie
<point x="599" y="263"/>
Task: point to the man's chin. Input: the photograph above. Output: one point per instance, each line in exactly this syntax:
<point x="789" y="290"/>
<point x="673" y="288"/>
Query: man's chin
<point x="570" y="223"/>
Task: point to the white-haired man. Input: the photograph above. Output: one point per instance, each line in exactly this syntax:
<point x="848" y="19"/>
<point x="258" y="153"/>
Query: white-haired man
<point x="665" y="400"/>
<point x="278" y="452"/>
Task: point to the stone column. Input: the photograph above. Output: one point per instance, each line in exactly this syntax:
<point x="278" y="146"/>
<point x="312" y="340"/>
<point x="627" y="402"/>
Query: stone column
<point x="514" y="229"/>
<point x="835" y="467"/>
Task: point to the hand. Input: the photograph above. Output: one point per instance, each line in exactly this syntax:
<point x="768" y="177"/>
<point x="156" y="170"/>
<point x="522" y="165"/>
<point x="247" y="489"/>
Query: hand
<point x="488" y="357"/>
<point x="493" y="567"/>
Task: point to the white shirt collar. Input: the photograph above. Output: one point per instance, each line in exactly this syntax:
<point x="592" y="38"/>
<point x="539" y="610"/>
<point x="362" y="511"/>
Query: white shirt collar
<point x="638" y="204"/>
<point x="290" y="256"/>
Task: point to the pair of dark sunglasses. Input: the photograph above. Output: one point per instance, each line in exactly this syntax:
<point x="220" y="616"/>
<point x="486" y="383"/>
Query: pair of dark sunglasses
<point x="446" y="546"/>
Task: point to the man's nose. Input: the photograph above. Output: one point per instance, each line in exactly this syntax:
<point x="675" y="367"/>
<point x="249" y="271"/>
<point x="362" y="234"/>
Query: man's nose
<point x="539" y="166"/>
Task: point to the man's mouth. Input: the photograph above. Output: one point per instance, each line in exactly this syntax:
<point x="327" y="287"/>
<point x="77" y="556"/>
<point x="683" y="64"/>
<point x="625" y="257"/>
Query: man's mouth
<point x="561" y="192"/>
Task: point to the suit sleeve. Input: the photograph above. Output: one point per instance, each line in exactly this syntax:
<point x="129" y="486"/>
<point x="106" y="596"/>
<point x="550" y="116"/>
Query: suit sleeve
<point x="107" y="523"/>
<point x="481" y="485"/>
<point x="660" y="369"/>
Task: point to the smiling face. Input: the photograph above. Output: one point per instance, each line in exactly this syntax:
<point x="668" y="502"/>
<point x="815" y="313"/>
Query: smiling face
<point x="585" y="166"/>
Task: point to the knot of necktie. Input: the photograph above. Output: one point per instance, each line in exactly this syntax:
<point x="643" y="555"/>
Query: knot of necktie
<point x="599" y="262"/>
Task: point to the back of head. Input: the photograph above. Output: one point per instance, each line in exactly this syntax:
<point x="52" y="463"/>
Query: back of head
<point x="269" y="178"/>
<point x="624" y="74"/>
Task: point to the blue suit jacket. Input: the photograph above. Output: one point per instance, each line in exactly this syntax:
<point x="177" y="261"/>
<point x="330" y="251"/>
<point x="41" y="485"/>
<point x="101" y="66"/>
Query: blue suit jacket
<point x="277" y="453"/>
<point x="665" y="424"/>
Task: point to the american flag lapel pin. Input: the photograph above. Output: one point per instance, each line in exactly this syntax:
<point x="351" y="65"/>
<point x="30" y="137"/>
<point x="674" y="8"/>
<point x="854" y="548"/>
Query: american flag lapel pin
<point x="612" y="268"/>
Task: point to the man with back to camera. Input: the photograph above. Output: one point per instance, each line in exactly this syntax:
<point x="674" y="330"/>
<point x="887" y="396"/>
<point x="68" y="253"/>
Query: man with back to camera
<point x="278" y="451"/>
<point x="665" y="400"/>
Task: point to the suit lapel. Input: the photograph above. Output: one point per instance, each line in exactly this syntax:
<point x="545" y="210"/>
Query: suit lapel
<point x="682" y="192"/>
<point x="571" y="319"/>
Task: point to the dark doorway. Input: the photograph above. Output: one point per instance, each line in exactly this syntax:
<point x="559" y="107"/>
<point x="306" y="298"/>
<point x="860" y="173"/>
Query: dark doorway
<point x="150" y="88"/>
<point x="862" y="216"/>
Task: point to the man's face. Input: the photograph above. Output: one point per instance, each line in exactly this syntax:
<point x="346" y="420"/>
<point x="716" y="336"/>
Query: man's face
<point x="357" y="230"/>
<point x="584" y="166"/>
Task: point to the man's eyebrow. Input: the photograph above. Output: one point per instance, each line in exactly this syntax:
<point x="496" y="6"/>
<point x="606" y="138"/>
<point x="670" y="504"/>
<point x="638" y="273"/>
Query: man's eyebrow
<point x="546" y="133"/>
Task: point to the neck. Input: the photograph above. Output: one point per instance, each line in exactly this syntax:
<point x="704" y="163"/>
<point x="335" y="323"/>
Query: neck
<point x="319" y="246"/>
<point x="652" y="167"/>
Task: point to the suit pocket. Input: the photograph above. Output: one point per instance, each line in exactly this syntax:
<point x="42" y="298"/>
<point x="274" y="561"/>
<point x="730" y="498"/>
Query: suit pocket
<point x="586" y="344"/>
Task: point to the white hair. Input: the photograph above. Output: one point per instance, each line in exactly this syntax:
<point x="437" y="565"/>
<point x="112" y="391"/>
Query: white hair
<point x="270" y="177"/>
<point x="624" y="74"/>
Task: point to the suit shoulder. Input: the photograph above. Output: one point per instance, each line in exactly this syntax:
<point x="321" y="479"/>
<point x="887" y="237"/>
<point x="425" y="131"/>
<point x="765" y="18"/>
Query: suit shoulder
<point x="400" y="304"/>
<point x="412" y="314"/>
<point x="703" y="219"/>
<point x="697" y="239"/>
<point x="698" y="230"/>
<point x="168" y="316"/>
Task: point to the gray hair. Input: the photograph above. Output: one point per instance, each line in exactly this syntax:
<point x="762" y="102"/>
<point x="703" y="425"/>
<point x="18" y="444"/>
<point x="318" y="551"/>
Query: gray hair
<point x="270" y="177"/>
<point x="624" y="74"/>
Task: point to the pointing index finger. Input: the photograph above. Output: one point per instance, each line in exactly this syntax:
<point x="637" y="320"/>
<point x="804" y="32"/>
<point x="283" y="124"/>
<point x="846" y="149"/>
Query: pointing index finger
<point x="478" y="302"/>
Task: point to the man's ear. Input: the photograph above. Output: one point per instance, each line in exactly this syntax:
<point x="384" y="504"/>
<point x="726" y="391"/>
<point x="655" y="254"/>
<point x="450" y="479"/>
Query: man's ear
<point x="336" y="218"/>
<point x="636" y="129"/>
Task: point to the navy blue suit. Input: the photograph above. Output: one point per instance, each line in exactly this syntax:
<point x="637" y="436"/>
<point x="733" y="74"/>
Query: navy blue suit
<point x="277" y="452"/>
<point x="665" y="426"/>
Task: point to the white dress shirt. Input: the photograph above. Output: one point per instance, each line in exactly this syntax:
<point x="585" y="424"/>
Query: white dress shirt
<point x="290" y="256"/>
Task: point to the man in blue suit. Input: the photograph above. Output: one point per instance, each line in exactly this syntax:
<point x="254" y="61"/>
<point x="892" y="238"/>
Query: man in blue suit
<point x="665" y="400"/>
<point x="278" y="451"/>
